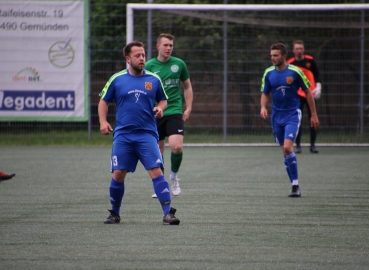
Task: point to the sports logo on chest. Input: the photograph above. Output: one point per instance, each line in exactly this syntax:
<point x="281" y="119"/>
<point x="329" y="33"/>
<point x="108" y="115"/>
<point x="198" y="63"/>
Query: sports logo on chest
<point x="289" y="79"/>
<point x="148" y="85"/>
<point x="308" y="65"/>
<point x="174" y="68"/>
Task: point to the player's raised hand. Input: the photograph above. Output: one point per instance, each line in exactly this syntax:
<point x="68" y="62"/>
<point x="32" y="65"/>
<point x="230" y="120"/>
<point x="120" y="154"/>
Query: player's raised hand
<point x="158" y="112"/>
<point x="105" y="128"/>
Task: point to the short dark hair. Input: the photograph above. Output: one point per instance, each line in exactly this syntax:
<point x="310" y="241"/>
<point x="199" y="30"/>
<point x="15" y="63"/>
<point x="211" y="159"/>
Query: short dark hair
<point x="164" y="35"/>
<point x="280" y="47"/>
<point x="127" y="49"/>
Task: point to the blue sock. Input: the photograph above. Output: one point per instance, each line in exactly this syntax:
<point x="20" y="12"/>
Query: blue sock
<point x="116" y="195"/>
<point x="287" y="169"/>
<point x="161" y="189"/>
<point x="292" y="166"/>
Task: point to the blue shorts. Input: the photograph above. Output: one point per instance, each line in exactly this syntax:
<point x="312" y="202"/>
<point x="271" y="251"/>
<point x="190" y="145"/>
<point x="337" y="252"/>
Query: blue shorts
<point x="285" y="125"/>
<point x="129" y="148"/>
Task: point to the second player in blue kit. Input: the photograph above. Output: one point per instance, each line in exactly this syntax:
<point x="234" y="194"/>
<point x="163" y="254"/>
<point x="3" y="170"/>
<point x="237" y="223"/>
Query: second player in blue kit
<point x="283" y="80"/>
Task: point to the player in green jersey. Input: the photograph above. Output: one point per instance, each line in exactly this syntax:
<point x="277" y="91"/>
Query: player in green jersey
<point x="173" y="73"/>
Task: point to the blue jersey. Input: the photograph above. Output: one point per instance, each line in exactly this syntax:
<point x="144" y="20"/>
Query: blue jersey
<point x="284" y="86"/>
<point x="135" y="98"/>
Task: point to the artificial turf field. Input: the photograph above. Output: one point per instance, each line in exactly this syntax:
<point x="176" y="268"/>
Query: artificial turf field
<point x="234" y="211"/>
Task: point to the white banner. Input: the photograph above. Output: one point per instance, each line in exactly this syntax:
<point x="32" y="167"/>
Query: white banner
<point x="43" y="66"/>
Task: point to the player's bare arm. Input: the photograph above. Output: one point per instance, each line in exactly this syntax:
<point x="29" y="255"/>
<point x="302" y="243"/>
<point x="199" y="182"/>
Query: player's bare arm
<point x="314" y="121"/>
<point x="263" y="103"/>
<point x="159" y="109"/>
<point x="188" y="95"/>
<point x="105" y="127"/>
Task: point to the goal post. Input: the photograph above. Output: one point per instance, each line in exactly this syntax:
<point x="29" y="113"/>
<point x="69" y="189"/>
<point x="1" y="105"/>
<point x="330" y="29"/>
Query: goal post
<point x="335" y="34"/>
<point x="206" y="7"/>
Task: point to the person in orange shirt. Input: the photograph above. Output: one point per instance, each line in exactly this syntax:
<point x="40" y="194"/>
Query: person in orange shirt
<point x="308" y="65"/>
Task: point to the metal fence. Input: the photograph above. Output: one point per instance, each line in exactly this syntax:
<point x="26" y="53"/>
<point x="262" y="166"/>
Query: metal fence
<point x="338" y="40"/>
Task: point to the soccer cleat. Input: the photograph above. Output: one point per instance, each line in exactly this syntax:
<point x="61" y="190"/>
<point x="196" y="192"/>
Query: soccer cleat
<point x="154" y="195"/>
<point x="298" y="149"/>
<point x="313" y="149"/>
<point x="5" y="176"/>
<point x="296" y="192"/>
<point x="113" y="218"/>
<point x="170" y="219"/>
<point x="176" y="190"/>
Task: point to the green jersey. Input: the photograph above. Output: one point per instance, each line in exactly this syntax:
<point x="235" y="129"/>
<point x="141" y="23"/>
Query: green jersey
<point x="171" y="74"/>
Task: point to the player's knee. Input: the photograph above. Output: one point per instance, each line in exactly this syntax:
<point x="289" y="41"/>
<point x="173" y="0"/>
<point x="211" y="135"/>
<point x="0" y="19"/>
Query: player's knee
<point x="287" y="149"/>
<point x="155" y="172"/>
<point x="119" y="175"/>
<point x="177" y="149"/>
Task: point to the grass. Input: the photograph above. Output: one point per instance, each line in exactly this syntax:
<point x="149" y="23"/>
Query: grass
<point x="234" y="211"/>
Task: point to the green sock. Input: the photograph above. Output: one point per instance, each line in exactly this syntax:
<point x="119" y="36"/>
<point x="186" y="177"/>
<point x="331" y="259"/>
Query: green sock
<point x="176" y="160"/>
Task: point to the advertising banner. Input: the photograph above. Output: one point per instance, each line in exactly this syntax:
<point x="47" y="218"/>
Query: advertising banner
<point x="43" y="61"/>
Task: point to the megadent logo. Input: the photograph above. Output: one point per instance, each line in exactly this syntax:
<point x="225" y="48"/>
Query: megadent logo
<point x="27" y="74"/>
<point x="37" y="100"/>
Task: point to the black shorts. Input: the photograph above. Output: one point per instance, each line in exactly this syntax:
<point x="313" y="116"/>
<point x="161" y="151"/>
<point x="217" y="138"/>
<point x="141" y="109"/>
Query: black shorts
<point x="170" y="125"/>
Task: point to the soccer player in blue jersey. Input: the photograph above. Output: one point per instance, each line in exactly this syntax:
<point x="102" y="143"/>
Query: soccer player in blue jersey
<point x="135" y="92"/>
<point x="283" y="81"/>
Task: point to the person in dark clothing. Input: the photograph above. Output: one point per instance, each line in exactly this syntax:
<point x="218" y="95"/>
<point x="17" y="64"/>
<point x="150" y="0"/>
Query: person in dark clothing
<point x="308" y="65"/>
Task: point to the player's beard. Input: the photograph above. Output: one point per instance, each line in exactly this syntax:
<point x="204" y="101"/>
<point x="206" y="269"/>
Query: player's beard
<point x="137" y="68"/>
<point x="278" y="63"/>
